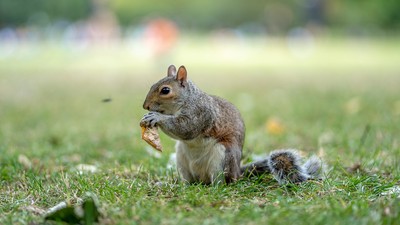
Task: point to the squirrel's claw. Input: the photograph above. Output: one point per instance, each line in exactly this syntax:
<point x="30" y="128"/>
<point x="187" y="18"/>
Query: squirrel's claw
<point x="150" y="119"/>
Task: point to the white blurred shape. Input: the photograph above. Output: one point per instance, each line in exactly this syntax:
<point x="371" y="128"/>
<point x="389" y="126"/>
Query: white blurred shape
<point x="8" y="42"/>
<point x="300" y="42"/>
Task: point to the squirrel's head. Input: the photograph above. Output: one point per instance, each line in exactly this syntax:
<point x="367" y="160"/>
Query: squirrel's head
<point x="167" y="95"/>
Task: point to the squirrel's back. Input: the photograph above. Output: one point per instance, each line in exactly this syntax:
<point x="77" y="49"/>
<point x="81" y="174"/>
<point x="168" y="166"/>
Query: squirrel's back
<point x="228" y="127"/>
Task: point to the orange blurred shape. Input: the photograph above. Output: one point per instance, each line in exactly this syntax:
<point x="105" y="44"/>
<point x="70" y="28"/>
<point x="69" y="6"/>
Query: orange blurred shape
<point x="274" y="126"/>
<point x="161" y="34"/>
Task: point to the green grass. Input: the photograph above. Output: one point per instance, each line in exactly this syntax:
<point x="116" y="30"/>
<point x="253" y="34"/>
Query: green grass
<point x="333" y="103"/>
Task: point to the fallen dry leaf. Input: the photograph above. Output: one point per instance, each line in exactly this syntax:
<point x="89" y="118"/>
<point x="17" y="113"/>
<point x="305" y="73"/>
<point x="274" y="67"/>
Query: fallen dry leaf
<point x="86" y="212"/>
<point x="34" y="209"/>
<point x="24" y="161"/>
<point x="353" y="106"/>
<point x="150" y="135"/>
<point x="356" y="167"/>
<point x="274" y="126"/>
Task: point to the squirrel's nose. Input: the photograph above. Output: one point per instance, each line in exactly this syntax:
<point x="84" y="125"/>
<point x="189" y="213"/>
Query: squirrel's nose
<point x="146" y="106"/>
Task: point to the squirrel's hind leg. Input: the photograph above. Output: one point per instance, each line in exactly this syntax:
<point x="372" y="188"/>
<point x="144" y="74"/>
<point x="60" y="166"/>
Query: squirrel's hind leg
<point x="232" y="164"/>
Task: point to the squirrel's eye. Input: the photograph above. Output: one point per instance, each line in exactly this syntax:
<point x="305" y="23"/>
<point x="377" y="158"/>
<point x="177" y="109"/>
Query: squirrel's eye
<point x="165" y="90"/>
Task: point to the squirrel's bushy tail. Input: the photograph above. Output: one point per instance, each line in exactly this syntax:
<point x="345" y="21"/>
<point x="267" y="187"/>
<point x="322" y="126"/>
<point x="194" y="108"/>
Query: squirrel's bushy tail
<point x="287" y="167"/>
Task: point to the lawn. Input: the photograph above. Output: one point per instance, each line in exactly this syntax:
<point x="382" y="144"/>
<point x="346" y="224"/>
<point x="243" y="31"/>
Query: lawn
<point x="69" y="124"/>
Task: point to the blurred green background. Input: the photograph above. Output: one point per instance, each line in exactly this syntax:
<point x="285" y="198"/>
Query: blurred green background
<point x="60" y="59"/>
<point x="322" y="76"/>
<point x="354" y="17"/>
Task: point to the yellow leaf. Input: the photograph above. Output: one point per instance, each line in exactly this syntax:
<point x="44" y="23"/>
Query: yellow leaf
<point x="24" y="161"/>
<point x="274" y="126"/>
<point x="353" y="106"/>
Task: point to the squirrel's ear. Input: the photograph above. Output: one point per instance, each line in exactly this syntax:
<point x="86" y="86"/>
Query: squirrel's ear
<point x="171" y="71"/>
<point x="182" y="75"/>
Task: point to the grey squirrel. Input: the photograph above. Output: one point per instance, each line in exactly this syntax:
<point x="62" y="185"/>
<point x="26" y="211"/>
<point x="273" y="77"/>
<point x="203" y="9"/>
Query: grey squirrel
<point x="210" y="134"/>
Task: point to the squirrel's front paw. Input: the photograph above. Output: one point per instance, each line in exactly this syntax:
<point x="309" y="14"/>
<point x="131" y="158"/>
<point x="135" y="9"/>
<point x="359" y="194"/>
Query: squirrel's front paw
<point x="150" y="119"/>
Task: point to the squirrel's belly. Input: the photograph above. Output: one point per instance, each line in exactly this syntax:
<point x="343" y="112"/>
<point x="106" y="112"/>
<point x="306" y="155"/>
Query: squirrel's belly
<point x="201" y="160"/>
